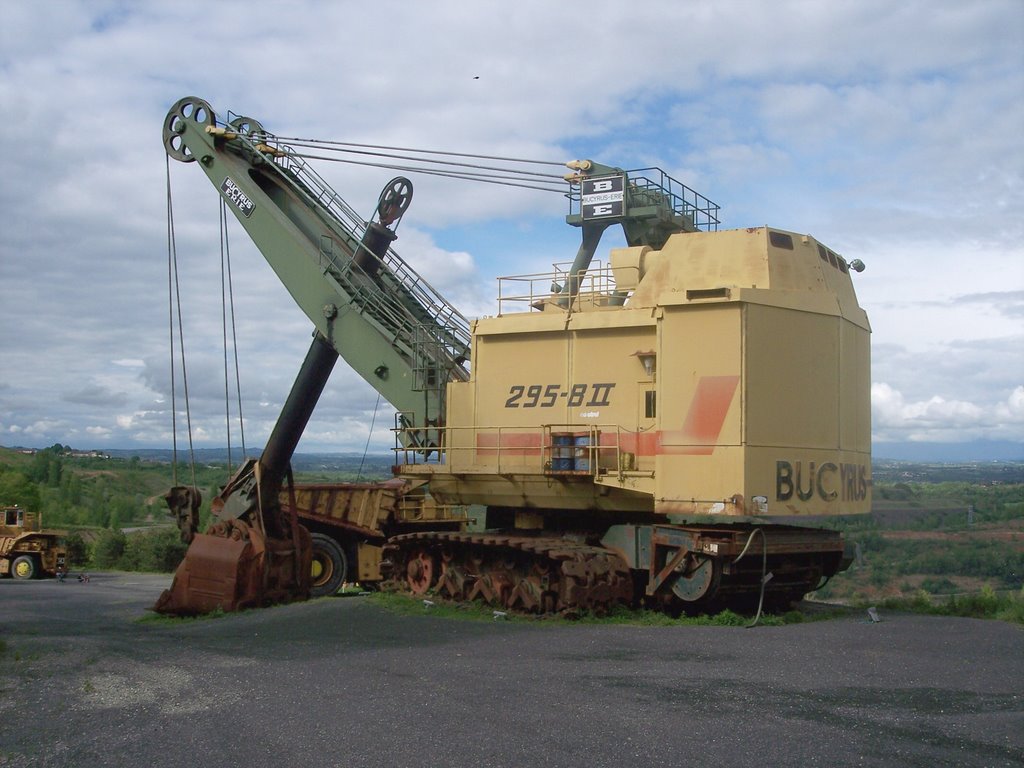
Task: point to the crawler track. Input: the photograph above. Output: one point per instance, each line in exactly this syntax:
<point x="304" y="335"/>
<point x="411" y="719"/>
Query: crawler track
<point x="517" y="573"/>
<point x="554" y="574"/>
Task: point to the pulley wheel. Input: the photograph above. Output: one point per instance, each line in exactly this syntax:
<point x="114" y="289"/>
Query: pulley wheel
<point x="191" y="109"/>
<point x="394" y="200"/>
<point x="247" y="126"/>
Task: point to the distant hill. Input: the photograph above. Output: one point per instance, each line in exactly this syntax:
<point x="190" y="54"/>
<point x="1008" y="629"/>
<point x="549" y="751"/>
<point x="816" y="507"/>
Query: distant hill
<point x="373" y="464"/>
<point x="979" y="450"/>
<point x="927" y="453"/>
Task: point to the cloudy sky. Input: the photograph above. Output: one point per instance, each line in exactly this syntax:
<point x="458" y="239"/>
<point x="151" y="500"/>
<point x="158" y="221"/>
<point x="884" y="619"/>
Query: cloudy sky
<point x="890" y="131"/>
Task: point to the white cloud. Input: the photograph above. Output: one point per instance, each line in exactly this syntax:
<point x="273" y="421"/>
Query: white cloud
<point x="454" y="274"/>
<point x="890" y="131"/>
<point x="940" y="420"/>
<point x="1012" y="411"/>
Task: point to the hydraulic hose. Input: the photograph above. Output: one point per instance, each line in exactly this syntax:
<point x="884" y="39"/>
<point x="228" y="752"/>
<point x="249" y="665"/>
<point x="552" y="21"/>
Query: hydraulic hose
<point x="765" y="576"/>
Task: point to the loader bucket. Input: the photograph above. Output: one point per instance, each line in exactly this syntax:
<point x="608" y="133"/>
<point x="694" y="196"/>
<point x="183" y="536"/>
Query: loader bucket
<point x="233" y="566"/>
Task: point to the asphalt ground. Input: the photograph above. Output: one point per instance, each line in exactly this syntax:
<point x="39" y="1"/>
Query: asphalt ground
<point x="86" y="681"/>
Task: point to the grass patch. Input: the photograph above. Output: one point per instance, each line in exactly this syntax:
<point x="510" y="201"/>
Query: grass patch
<point x="987" y="604"/>
<point x="431" y="605"/>
<point x="349" y="589"/>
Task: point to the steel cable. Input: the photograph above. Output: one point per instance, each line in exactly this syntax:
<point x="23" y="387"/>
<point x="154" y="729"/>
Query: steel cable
<point x="234" y="346"/>
<point x="517" y="171"/>
<point x="174" y="300"/>
<point x="366" y="448"/>
<point x="322" y="142"/>
<point x="224" y="325"/>
<point x="227" y="298"/>
<point x="505" y="175"/>
<point x="485" y="178"/>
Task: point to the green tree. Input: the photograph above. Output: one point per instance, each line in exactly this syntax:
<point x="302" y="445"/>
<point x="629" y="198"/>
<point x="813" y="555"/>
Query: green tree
<point x="108" y="549"/>
<point x="78" y="552"/>
<point x="159" y="551"/>
<point x="54" y="472"/>
<point x="47" y="466"/>
<point x="71" y="488"/>
<point x="18" y="488"/>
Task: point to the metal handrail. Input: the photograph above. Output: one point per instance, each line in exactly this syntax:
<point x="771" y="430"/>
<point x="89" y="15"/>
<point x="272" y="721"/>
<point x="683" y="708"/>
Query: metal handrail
<point x="654" y="183"/>
<point x="407" y="454"/>
<point x="595" y="285"/>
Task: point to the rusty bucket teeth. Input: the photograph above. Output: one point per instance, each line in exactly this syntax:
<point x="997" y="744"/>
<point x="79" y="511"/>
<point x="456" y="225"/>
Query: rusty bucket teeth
<point x="216" y="574"/>
<point x="232" y="567"/>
